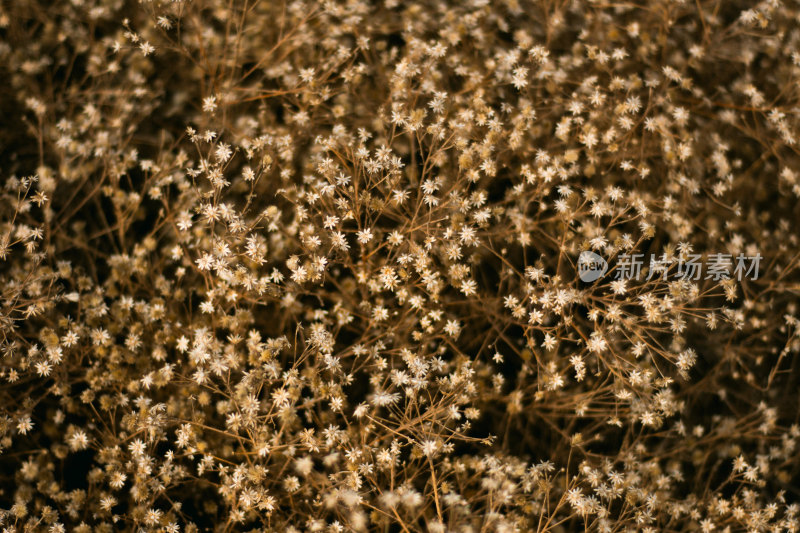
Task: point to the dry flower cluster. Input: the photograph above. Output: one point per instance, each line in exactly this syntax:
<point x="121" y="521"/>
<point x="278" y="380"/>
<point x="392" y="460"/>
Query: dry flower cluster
<point x="307" y="266"/>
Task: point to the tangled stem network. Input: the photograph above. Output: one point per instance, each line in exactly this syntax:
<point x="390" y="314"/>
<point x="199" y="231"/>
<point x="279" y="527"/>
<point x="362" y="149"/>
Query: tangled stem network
<point x="303" y="266"/>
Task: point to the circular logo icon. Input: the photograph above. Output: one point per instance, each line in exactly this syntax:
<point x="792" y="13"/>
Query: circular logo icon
<point x="591" y="266"/>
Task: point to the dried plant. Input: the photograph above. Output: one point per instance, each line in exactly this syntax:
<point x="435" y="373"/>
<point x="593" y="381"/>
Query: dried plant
<point x="314" y="266"/>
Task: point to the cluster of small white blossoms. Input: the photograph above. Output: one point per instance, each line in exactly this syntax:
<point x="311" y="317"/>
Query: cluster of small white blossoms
<point x="312" y="266"/>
